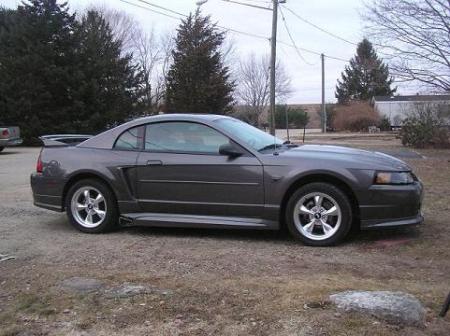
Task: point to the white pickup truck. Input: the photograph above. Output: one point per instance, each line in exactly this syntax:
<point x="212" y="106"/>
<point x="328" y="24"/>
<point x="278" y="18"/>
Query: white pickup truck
<point x="9" y="136"/>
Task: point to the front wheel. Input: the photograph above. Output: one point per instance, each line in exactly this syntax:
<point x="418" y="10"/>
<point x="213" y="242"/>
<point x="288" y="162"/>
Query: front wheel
<point x="91" y="207"/>
<point x="319" y="214"/>
<point x="2" y="148"/>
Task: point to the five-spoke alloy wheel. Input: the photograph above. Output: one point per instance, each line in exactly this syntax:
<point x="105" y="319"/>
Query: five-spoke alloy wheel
<point x="88" y="207"/>
<point x="319" y="214"/>
<point x="91" y="206"/>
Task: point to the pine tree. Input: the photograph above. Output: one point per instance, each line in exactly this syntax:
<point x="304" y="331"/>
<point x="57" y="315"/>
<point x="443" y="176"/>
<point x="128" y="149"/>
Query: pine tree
<point x="109" y="86"/>
<point x="58" y="75"/>
<point x="35" y="65"/>
<point x="198" y="81"/>
<point x="365" y="77"/>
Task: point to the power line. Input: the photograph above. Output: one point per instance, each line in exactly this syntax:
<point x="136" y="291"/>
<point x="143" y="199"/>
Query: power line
<point x="222" y="27"/>
<point x="149" y="9"/>
<point x="161" y="7"/>
<point x="292" y="40"/>
<point x="267" y="2"/>
<point x="336" y="58"/>
<point x="318" y="27"/>
<point x="314" y="52"/>
<point x="184" y="15"/>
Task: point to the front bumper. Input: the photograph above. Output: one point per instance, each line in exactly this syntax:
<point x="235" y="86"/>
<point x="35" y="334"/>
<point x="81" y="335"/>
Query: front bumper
<point x="10" y="142"/>
<point x="391" y="223"/>
<point x="392" y="206"/>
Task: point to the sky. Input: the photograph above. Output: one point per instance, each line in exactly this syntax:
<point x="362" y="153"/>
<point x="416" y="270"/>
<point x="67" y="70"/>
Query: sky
<point x="341" y="17"/>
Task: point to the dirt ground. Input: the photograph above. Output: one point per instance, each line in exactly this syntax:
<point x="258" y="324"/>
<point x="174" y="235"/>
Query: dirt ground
<point x="214" y="282"/>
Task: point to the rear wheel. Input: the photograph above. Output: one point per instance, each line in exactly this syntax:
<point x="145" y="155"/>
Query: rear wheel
<point x="2" y="148"/>
<point x="319" y="214"/>
<point x="91" y="207"/>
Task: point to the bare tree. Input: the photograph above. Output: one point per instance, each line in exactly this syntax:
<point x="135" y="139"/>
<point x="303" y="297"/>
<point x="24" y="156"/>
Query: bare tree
<point x="152" y="53"/>
<point x="253" y="87"/>
<point x="415" y="37"/>
<point x="124" y="27"/>
<point x="147" y="54"/>
<point x="166" y="45"/>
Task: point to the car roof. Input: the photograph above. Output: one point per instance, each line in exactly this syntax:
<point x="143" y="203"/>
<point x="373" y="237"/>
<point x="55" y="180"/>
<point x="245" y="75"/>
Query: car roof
<point x="106" y="139"/>
<point x="179" y="116"/>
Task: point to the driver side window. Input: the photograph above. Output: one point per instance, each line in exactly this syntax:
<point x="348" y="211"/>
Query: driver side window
<point x="183" y="137"/>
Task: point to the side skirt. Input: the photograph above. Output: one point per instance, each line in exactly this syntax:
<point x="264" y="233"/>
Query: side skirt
<point x="195" y="221"/>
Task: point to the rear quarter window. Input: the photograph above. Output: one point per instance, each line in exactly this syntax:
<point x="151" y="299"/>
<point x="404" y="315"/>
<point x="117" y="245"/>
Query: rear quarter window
<point x="131" y="139"/>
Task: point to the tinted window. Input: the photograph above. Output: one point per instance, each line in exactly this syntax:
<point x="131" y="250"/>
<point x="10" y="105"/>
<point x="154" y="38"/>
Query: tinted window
<point x="252" y="136"/>
<point x="130" y="139"/>
<point x="183" y="137"/>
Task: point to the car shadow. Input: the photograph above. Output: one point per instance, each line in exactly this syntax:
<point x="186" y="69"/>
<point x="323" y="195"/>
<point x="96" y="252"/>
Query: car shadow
<point x="223" y="234"/>
<point x="357" y="238"/>
<point x="5" y="152"/>
<point x="385" y="237"/>
<point x="59" y="224"/>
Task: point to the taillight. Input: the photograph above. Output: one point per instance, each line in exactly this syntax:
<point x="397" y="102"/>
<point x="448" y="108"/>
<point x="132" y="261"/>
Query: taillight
<point x="5" y="132"/>
<point x="39" y="166"/>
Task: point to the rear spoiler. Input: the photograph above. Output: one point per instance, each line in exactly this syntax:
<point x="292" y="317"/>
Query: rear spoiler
<point x="60" y="140"/>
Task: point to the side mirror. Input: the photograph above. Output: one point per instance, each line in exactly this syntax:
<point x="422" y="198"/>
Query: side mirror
<point x="230" y="150"/>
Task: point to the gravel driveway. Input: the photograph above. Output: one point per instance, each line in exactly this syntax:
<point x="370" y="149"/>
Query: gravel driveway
<point x="204" y="282"/>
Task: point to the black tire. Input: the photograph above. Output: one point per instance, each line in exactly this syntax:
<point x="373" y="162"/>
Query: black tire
<point x="111" y="216"/>
<point x="2" y="148"/>
<point x="345" y="213"/>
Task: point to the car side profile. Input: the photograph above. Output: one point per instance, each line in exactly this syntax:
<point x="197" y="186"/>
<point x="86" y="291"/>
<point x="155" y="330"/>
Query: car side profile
<point x="192" y="170"/>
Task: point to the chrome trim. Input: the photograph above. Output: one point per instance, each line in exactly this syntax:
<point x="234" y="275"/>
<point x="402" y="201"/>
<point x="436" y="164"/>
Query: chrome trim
<point x="201" y="182"/>
<point x="200" y="203"/>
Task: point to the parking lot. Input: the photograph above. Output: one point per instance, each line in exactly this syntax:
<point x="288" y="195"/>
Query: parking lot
<point x="205" y="282"/>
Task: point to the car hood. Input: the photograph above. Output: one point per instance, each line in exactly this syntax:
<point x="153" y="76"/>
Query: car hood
<point x="351" y="157"/>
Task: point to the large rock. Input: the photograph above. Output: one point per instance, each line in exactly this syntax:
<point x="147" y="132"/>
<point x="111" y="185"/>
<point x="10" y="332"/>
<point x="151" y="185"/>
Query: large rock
<point x="394" y="307"/>
<point x="128" y="290"/>
<point x="82" y="285"/>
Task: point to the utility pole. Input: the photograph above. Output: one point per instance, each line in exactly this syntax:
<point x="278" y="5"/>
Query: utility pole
<point x="273" y="60"/>
<point x="273" y="50"/>
<point x="324" y="111"/>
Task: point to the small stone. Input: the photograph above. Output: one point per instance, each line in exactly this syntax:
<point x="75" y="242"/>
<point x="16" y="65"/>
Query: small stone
<point x="128" y="290"/>
<point x="66" y="311"/>
<point x="5" y="257"/>
<point x="394" y="307"/>
<point x="82" y="285"/>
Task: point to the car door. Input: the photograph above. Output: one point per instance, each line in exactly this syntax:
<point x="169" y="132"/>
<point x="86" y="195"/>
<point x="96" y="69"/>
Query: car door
<point x="181" y="171"/>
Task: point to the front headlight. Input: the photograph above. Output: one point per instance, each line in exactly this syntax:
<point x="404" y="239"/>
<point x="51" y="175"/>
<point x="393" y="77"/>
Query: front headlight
<point x="394" y="177"/>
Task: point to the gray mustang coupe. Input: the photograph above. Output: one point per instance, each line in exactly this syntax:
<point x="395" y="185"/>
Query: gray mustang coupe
<point x="214" y="171"/>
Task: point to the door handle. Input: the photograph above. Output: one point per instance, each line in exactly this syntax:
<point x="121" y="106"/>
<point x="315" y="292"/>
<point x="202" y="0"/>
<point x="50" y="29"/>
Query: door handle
<point x="154" y="163"/>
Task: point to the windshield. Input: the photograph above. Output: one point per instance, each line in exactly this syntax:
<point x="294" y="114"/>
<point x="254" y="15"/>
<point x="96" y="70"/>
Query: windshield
<point x="252" y="136"/>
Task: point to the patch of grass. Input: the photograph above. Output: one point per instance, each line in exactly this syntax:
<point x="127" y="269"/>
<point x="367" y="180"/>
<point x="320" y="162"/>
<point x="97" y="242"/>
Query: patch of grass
<point x="5" y="318"/>
<point x="34" y="304"/>
<point x="11" y="331"/>
<point x="86" y="323"/>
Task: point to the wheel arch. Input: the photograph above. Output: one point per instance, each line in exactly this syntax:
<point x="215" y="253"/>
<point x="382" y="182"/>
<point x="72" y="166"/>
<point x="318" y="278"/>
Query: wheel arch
<point x="324" y="178"/>
<point x="84" y="175"/>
